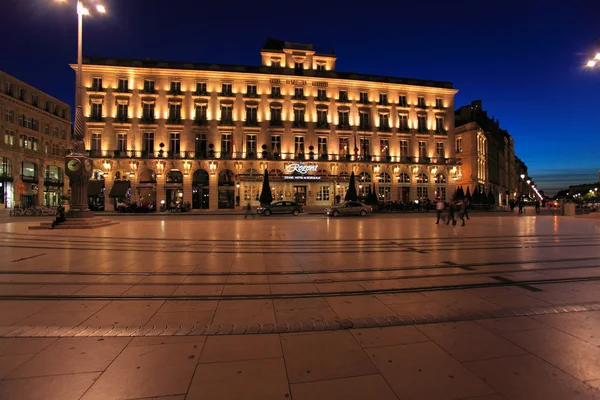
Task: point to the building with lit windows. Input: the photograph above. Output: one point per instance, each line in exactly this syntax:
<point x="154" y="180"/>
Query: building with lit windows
<point x="165" y="132"/>
<point x="486" y="154"/>
<point x="35" y="129"/>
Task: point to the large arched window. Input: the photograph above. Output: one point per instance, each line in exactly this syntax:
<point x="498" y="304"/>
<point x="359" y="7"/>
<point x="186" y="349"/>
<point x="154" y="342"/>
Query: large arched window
<point x="384" y="190"/>
<point x="174" y="176"/>
<point x="364" y="177"/>
<point x="440" y="179"/>
<point x="384" y="177"/>
<point x="422" y="179"/>
<point x="147" y="176"/>
<point x="404" y="178"/>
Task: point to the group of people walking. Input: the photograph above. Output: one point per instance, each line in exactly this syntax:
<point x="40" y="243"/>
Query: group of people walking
<point x="451" y="210"/>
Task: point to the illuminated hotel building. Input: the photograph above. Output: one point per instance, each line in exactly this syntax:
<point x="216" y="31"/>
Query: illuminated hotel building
<point x="35" y="131"/>
<point x="205" y="133"/>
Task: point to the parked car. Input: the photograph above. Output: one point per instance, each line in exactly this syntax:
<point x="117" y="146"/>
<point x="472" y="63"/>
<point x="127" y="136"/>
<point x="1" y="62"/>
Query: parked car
<point x="281" y="207"/>
<point x="349" y="208"/>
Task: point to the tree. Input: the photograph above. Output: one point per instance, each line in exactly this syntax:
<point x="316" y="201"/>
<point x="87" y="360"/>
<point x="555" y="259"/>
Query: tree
<point x="351" y="194"/>
<point x="266" y="197"/>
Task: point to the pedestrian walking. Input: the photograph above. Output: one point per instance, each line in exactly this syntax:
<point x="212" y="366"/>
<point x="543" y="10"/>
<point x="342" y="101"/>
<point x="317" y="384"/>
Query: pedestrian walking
<point x="461" y="206"/>
<point x="451" y="212"/>
<point x="467" y="202"/>
<point x="439" y="207"/>
<point x="248" y="209"/>
<point x="537" y="207"/>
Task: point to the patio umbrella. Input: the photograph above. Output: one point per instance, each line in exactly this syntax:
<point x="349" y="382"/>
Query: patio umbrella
<point x="266" y="197"/>
<point x="351" y="194"/>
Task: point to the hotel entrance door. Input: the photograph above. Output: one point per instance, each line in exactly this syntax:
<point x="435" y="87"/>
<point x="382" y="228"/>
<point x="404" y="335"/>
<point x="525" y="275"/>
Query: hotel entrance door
<point x="300" y="194"/>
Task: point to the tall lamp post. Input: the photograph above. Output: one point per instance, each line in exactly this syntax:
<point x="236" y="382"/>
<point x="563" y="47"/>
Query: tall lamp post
<point x="596" y="59"/>
<point x="78" y="166"/>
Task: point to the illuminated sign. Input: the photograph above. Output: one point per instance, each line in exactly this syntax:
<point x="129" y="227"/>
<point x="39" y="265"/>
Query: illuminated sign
<point x="301" y="168"/>
<point x="301" y="178"/>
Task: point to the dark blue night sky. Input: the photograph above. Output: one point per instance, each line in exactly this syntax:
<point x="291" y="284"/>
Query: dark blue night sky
<point x="524" y="59"/>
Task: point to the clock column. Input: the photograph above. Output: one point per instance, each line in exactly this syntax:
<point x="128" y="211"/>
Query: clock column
<point x="79" y="170"/>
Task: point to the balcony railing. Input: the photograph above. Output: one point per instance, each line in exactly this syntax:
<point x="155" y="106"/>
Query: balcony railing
<point x="95" y="89"/>
<point x="322" y="125"/>
<point x="211" y="154"/>
<point x="342" y="100"/>
<point x="321" y="98"/>
<point x="364" y="102"/>
<point x="384" y="103"/>
<point x="148" y="91"/>
<point x="299" y="124"/>
<point x="226" y="94"/>
<point x="276" y="96"/>
<point x="251" y="95"/>
<point x="276" y="123"/>
<point x="123" y="90"/>
<point x="385" y="128"/>
<point x="95" y="118"/>
<point x="251" y="122"/>
<point x="344" y="127"/>
<point x="422" y="106"/>
<point x="299" y="97"/>
<point x="201" y="121"/>
<point x="175" y="92"/>
<point x="364" y="127"/>
<point x="174" y="121"/>
<point x="226" y="122"/>
<point x="147" y="120"/>
<point x="201" y="93"/>
<point x="122" y="120"/>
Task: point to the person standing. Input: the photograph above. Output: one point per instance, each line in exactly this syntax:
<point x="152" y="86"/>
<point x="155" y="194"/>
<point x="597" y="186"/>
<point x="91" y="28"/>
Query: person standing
<point x="248" y="209"/>
<point x="439" y="207"/>
<point x="467" y="202"/>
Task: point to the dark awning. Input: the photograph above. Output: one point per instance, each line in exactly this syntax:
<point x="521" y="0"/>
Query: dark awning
<point x="95" y="187"/>
<point x="119" y="189"/>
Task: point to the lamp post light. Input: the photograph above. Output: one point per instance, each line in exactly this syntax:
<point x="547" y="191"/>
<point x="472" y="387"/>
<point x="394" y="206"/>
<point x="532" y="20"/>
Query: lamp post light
<point x="591" y="63"/>
<point x="78" y="166"/>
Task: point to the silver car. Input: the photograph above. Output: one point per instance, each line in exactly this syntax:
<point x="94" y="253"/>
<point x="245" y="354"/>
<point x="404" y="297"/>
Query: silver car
<point x="349" y="208"/>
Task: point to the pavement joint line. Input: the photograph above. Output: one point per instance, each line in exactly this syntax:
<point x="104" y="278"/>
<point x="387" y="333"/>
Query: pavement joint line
<point x="283" y="327"/>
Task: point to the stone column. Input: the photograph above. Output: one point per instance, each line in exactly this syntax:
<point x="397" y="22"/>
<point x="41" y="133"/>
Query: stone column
<point x="109" y="204"/>
<point x="161" y="193"/>
<point x="213" y="190"/>
<point x="187" y="188"/>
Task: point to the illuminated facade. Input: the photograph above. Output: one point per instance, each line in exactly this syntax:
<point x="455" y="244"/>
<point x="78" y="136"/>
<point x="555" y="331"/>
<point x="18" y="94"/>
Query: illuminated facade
<point x="205" y="133"/>
<point x="36" y="130"/>
<point x="486" y="154"/>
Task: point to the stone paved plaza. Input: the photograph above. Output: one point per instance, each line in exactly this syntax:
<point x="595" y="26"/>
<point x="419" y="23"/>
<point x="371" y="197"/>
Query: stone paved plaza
<point x="384" y="307"/>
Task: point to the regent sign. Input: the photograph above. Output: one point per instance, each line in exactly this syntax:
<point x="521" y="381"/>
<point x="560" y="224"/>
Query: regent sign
<point x="300" y="168"/>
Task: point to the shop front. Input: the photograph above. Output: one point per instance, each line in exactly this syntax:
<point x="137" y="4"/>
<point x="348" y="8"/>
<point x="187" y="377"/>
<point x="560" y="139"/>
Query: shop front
<point x="96" y="191"/>
<point x="29" y="177"/>
<point x="146" y="188"/>
<point x="6" y="183"/>
<point x="226" y="189"/>
<point x="174" y="189"/>
<point x="53" y="186"/>
<point x="200" y="190"/>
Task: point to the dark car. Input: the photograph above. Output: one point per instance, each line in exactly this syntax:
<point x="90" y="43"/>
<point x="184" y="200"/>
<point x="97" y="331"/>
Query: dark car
<point x="281" y="207"/>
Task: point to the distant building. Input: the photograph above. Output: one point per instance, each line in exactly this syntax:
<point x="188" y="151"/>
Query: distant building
<point x="205" y="133"/>
<point x="35" y="129"/>
<point x="487" y="156"/>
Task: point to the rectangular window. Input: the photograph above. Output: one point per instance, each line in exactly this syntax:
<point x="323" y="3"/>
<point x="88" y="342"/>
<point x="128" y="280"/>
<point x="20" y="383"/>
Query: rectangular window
<point x="364" y="98"/>
<point x="201" y="112"/>
<point x="251" y="116"/>
<point x="175" y="143"/>
<point x="122" y="112"/>
<point x="9" y="88"/>
<point x="343" y="95"/>
<point x="384" y="122"/>
<point x="226" y="89"/>
<point x="298" y="93"/>
<point x="421" y="102"/>
<point x="384" y="148"/>
<point x="439" y="104"/>
<point x="9" y="138"/>
<point x="344" y="146"/>
<point x="439" y="124"/>
<point x="148" y="143"/>
<point x="323" y="193"/>
<point x="251" y="90"/>
<point x="201" y="88"/>
<point x="46" y="148"/>
<point x="149" y="86"/>
<point x="459" y="145"/>
<point x="55" y="132"/>
<point x="322" y="145"/>
<point x="276" y="144"/>
<point x="364" y="120"/>
<point x="9" y="116"/>
<point x="251" y="192"/>
<point x="96" y="141"/>
<point x="402" y="102"/>
<point x="422" y="150"/>
<point x="200" y="146"/>
<point x="422" y="192"/>
<point x="276" y="92"/>
<point x="383" y="99"/>
<point x="22" y="141"/>
<point x="439" y="150"/>
<point x="123" y="85"/>
<point x="148" y="111"/>
<point x="21" y="93"/>
<point x="422" y="123"/>
<point x="299" y="66"/>
<point x="275" y="63"/>
<point x="175" y="112"/>
<point x="63" y="134"/>
<point x="403" y="122"/>
<point x="97" y="84"/>
<point x="47" y="129"/>
<point x="34" y="124"/>
<point x="365" y="146"/>
<point x="34" y="100"/>
<point x="320" y="67"/>
<point x="299" y="144"/>
<point x="344" y="119"/>
<point x="404" y="148"/>
<point x="384" y="193"/>
<point x="175" y="87"/>
<point x="226" y="114"/>
<point x="275" y="115"/>
<point x="441" y="192"/>
<point x="251" y="144"/>
<point x="299" y="116"/>
<point x="322" y="117"/>
<point x="322" y="94"/>
<point x="122" y="142"/>
<point x="96" y="111"/>
<point x="225" y="144"/>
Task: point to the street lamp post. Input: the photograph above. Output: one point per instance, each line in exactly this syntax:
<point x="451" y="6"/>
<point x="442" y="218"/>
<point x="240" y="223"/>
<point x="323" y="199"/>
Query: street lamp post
<point x="78" y="166"/>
